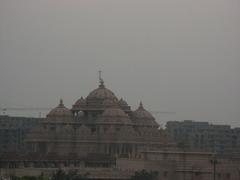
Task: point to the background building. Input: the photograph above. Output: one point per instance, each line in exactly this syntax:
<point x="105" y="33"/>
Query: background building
<point x="204" y="136"/>
<point x="13" y="131"/>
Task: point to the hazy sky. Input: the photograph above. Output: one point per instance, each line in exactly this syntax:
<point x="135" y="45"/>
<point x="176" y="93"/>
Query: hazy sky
<point x="174" y="55"/>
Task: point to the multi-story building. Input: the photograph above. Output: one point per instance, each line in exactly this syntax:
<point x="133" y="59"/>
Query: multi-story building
<point x="204" y="136"/>
<point x="13" y="130"/>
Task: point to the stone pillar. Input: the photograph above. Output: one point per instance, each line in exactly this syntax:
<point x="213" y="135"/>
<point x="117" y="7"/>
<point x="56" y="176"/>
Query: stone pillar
<point x="31" y="164"/>
<point x="102" y="149"/>
<point x="61" y="164"/>
<point x="71" y="164"/>
<point x="35" y="147"/>
<point x="133" y="151"/>
<point x="123" y="149"/>
<point x="106" y="148"/>
<point x="117" y="150"/>
<point x="82" y="164"/>
<point x="114" y="149"/>
<point x="21" y="164"/>
<point x="120" y="149"/>
<point x="110" y="149"/>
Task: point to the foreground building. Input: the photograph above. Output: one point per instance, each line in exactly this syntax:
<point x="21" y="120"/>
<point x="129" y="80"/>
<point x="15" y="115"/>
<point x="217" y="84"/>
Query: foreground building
<point x="170" y="165"/>
<point x="103" y="137"/>
<point x="100" y="123"/>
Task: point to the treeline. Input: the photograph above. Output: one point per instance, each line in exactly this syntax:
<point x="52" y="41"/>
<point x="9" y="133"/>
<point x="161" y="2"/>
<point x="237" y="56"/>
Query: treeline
<point x="59" y="175"/>
<point x="74" y="175"/>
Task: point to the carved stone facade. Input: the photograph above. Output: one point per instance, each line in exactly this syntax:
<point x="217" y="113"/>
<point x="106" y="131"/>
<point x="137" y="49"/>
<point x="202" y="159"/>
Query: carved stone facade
<point x="100" y="123"/>
<point x="102" y="136"/>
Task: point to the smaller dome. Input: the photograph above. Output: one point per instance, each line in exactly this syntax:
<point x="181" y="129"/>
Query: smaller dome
<point x="81" y="102"/>
<point x="114" y="112"/>
<point x="121" y="102"/>
<point x="109" y="103"/>
<point x="114" y="115"/>
<point x="143" y="117"/>
<point x="142" y="113"/>
<point x="60" y="111"/>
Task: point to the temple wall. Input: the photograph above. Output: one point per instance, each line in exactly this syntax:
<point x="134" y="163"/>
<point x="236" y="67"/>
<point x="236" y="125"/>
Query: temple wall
<point x="130" y="164"/>
<point x="194" y="166"/>
<point x="99" y="173"/>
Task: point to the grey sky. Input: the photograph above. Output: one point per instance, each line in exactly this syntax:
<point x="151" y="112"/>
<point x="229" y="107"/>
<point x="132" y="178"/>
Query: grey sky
<point x="174" y="55"/>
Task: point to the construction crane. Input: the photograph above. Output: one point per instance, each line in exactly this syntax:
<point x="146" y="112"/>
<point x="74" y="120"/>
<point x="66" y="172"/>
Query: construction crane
<point x="162" y="112"/>
<point x="40" y="109"/>
<point x="24" y="109"/>
<point x="5" y="109"/>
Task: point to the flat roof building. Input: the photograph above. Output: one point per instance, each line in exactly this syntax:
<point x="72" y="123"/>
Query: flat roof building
<point x="13" y="131"/>
<point x="204" y="136"/>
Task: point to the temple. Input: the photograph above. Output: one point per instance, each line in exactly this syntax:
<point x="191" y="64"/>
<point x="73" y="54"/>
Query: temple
<point x="100" y="123"/>
<point x="102" y="136"/>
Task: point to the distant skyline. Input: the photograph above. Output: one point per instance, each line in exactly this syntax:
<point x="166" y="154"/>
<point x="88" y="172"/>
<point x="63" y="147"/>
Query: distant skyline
<point x="178" y="56"/>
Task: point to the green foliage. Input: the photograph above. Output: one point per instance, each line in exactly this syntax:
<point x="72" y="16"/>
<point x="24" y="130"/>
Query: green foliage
<point x="71" y="175"/>
<point x="145" y="175"/>
<point x="30" y="178"/>
<point x="58" y="175"/>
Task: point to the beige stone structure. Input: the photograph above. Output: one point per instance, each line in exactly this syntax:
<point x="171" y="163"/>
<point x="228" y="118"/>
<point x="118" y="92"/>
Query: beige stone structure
<point x="170" y="165"/>
<point x="102" y="136"/>
<point x="100" y="123"/>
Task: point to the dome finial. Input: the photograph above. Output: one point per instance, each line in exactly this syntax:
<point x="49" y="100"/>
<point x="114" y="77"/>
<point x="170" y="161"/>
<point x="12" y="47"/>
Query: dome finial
<point x="141" y="105"/>
<point x="100" y="79"/>
<point x="61" y="102"/>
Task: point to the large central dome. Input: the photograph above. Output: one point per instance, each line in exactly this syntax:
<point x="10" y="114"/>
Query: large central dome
<point x="97" y="100"/>
<point x="101" y="93"/>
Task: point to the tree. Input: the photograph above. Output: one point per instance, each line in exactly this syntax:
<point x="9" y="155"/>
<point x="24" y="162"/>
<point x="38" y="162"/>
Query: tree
<point x="145" y="175"/>
<point x="71" y="175"/>
<point x="29" y="178"/>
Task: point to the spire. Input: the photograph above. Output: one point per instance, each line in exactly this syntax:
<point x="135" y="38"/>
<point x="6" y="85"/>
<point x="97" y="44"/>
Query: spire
<point x="61" y="103"/>
<point x="100" y="79"/>
<point x="141" y="105"/>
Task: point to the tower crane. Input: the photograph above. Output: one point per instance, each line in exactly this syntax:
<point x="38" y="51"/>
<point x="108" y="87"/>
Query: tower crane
<point x="6" y="109"/>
